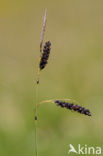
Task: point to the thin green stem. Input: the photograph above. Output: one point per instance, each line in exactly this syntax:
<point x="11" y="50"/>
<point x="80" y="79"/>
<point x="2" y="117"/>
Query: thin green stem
<point x="36" y="102"/>
<point x="36" y="145"/>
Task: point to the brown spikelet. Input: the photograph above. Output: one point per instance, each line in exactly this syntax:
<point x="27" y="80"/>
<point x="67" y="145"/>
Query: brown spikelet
<point x="45" y="55"/>
<point x="71" y="106"/>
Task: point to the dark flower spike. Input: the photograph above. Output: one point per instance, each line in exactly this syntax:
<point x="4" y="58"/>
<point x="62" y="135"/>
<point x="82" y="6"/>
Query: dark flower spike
<point x="72" y="106"/>
<point x="45" y="55"/>
<point x="68" y="105"/>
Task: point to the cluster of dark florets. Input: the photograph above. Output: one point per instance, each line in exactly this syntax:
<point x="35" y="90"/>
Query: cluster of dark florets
<point x="71" y="106"/>
<point x="45" y="55"/>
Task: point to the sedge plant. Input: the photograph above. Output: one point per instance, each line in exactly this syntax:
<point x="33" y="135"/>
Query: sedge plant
<point x="69" y="104"/>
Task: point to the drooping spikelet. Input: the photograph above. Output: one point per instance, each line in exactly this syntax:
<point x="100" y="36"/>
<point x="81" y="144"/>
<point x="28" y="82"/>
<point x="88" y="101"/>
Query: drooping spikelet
<point x="71" y="106"/>
<point x="45" y="55"/>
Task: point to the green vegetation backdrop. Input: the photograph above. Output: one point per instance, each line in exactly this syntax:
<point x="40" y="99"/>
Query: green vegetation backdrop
<point x="75" y="69"/>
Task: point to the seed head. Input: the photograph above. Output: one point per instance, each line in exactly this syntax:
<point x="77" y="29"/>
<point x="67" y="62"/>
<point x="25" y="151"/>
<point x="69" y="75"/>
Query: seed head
<point x="45" y="55"/>
<point x="71" y="106"/>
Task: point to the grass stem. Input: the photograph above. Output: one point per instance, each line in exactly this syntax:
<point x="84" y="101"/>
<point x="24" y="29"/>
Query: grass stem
<point x="36" y="117"/>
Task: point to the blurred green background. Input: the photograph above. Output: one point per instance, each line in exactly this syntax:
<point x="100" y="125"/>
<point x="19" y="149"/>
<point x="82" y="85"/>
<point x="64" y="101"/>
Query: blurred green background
<point x="75" y="69"/>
